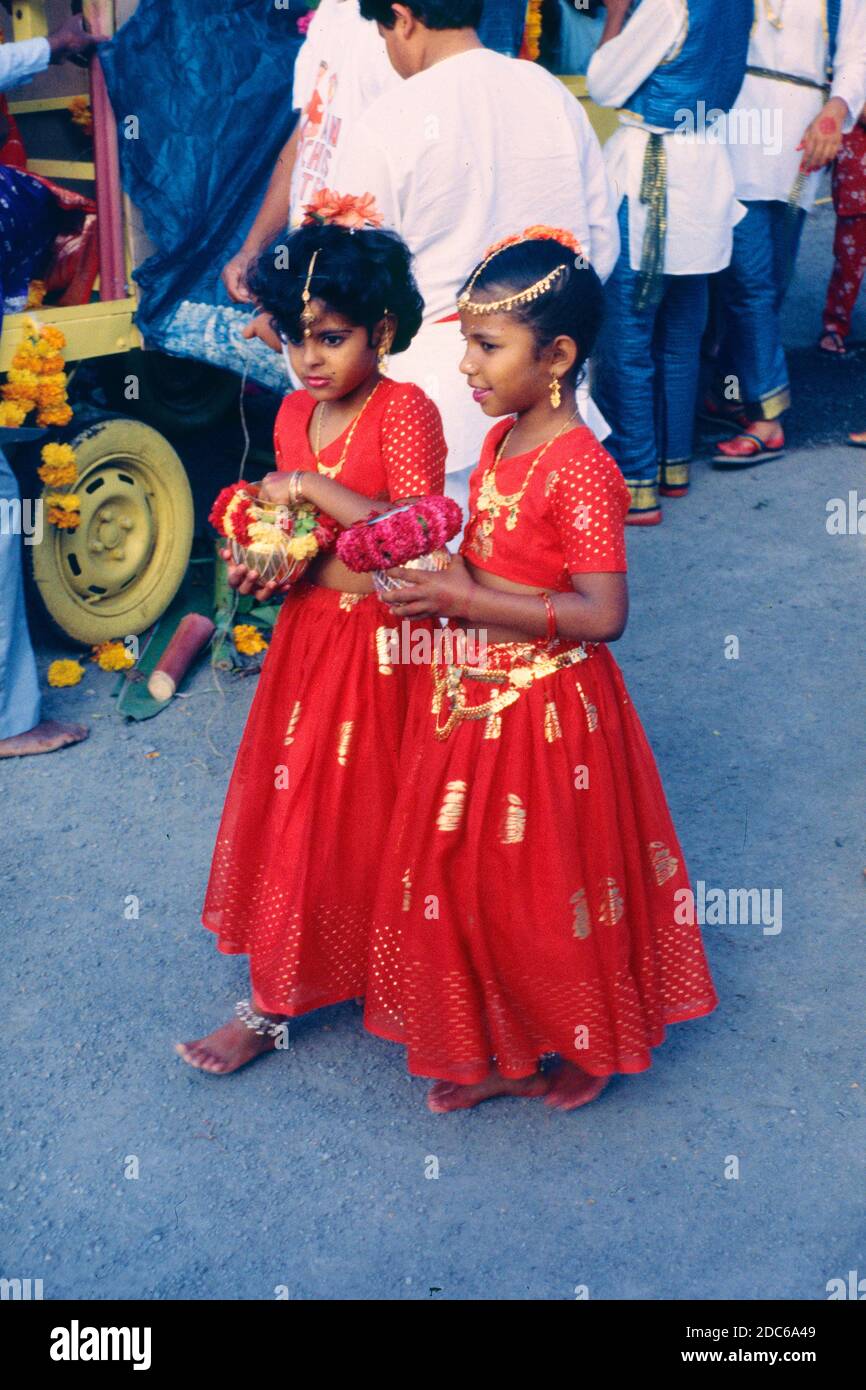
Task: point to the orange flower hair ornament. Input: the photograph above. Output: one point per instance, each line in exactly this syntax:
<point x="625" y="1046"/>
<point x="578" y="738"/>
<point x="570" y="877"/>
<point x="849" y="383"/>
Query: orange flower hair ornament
<point x="329" y="209"/>
<point x="466" y="304"/>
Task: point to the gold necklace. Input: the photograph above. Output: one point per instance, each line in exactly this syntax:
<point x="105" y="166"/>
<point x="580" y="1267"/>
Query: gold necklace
<point x="492" y="501"/>
<point x="338" y="467"/>
<point x="775" y="16"/>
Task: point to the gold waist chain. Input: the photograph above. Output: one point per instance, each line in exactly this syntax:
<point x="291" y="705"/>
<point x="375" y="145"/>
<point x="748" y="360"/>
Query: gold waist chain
<point x="448" y="686"/>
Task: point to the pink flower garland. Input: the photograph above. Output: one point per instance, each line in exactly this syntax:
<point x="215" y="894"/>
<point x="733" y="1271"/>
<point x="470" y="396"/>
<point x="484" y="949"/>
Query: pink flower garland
<point x="385" y="541"/>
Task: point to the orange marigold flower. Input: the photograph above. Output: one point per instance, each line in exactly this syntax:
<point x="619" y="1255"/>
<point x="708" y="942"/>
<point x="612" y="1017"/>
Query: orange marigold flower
<point x="52" y="336"/>
<point x="64" y="521"/>
<point x="35" y="294"/>
<point x="55" y="415"/>
<point x="112" y="656"/>
<point x="343" y="210"/>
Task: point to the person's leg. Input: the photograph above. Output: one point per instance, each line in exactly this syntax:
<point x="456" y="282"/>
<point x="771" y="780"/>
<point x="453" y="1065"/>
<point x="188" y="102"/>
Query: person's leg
<point x="21" y="732"/>
<point x="245" y="1037"/>
<point x="849" y="266"/>
<point x="754" y="338"/>
<point x="677" y="350"/>
<point x="624" y="384"/>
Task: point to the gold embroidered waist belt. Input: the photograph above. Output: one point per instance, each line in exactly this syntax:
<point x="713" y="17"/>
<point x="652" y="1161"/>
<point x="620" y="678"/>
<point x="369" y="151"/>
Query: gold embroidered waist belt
<point x="653" y="193"/>
<point x="789" y="77"/>
<point x="522" y="665"/>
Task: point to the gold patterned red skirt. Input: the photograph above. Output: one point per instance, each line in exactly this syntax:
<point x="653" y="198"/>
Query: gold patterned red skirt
<point x="298" y="856"/>
<point x="530" y="897"/>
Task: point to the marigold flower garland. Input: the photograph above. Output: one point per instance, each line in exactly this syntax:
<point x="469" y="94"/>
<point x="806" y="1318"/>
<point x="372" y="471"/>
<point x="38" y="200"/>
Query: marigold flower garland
<point x="37" y="379"/>
<point x="393" y="538"/>
<point x="58" y="469"/>
<point x="81" y="114"/>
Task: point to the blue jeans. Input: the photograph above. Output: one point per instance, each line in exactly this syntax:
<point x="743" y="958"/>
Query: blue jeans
<point x="648" y="367"/>
<point x="754" y="286"/>
<point x="19" y="686"/>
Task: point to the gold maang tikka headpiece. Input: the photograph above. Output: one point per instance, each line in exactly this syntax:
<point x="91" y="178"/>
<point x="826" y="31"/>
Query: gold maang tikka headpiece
<point x="466" y="304"/>
<point x="308" y="317"/>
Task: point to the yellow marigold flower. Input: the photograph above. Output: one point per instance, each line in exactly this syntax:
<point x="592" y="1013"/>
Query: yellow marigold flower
<point x="55" y="415"/>
<point x="52" y="336"/>
<point x="35" y="294"/>
<point x="12" y="414"/>
<point x="112" y="656"/>
<point x="58" y="453"/>
<point x="248" y="639"/>
<point x="65" y="673"/>
<point x="66" y="501"/>
<point x="304" y="548"/>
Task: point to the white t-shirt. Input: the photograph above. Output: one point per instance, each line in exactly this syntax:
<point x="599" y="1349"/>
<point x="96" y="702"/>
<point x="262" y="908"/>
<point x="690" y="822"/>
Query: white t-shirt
<point x="473" y="149"/>
<point x="341" y="69"/>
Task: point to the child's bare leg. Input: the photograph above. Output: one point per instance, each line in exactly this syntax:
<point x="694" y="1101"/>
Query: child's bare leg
<point x="230" y="1047"/>
<point x="444" y="1096"/>
<point x="571" y="1086"/>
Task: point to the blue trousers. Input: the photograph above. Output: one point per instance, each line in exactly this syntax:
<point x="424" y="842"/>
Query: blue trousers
<point x="648" y="367"/>
<point x="754" y="286"/>
<point x="19" y="686"/>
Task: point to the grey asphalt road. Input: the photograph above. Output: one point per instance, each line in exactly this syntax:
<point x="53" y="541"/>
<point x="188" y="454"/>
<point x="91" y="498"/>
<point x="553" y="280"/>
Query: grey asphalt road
<point x="125" y="1174"/>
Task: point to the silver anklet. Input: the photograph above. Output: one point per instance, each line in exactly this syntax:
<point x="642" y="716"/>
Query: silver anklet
<point x="257" y="1022"/>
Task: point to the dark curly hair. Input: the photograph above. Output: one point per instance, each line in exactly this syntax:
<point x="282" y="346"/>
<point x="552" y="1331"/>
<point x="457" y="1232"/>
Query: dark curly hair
<point x="435" y="14"/>
<point x="361" y="275"/>
<point x="573" y="306"/>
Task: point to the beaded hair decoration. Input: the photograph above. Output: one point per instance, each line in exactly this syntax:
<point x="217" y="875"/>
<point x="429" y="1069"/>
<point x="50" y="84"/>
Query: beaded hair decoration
<point x="467" y="305"/>
<point x="330" y="209"/>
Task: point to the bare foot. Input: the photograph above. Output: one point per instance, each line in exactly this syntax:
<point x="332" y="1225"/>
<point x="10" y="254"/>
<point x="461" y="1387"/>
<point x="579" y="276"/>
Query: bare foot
<point x="42" y="738"/>
<point x="444" y="1096"/>
<point x="572" y="1086"/>
<point x="227" y="1049"/>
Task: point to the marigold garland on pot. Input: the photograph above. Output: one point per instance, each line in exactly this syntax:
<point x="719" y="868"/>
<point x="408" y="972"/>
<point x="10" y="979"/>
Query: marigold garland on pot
<point x="278" y="542"/>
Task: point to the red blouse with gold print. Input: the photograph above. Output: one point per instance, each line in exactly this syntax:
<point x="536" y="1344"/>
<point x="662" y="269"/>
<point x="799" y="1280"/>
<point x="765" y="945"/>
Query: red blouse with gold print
<point x="570" y="520"/>
<point x="398" y="448"/>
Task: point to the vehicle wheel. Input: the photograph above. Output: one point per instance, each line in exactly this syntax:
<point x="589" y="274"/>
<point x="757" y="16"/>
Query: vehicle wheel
<point x="175" y="394"/>
<point x="118" y="571"/>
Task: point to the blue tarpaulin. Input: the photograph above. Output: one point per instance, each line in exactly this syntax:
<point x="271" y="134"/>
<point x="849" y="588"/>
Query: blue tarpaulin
<point x="210" y="85"/>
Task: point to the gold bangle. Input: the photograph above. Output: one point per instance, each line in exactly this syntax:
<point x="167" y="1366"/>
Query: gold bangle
<point x="295" y="481"/>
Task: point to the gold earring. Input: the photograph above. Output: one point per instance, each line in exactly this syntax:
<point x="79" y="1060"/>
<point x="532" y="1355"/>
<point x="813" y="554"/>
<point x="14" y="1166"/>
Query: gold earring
<point x="555" y="393"/>
<point x="385" y="350"/>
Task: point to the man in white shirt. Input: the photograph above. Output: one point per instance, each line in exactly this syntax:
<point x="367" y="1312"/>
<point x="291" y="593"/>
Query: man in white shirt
<point x="25" y="234"/>
<point x="471" y="147"/>
<point x="806" y="67"/>
<point x="676" y="68"/>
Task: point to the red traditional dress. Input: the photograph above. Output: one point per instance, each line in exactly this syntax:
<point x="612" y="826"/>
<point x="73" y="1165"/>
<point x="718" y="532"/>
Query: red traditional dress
<point x="298" y="854"/>
<point x="530" y="903"/>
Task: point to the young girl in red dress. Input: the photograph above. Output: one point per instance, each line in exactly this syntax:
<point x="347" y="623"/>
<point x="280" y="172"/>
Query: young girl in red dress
<point x="297" y="856"/>
<point x="535" y="900"/>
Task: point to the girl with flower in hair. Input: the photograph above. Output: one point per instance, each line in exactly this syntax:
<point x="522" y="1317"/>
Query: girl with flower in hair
<point x="297" y="856"/>
<point x="534" y="900"/>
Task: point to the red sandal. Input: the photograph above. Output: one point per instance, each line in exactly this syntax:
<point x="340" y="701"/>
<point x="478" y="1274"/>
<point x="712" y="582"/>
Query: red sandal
<point x="748" y="449"/>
